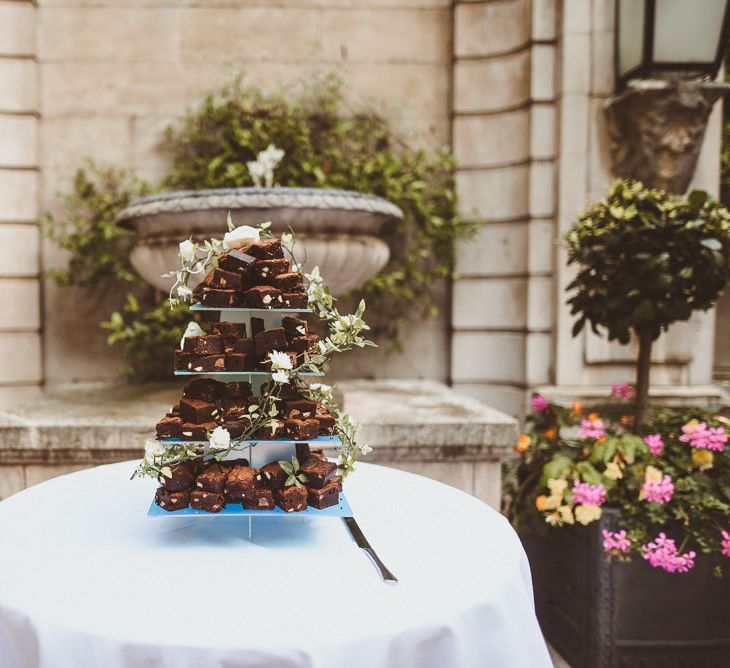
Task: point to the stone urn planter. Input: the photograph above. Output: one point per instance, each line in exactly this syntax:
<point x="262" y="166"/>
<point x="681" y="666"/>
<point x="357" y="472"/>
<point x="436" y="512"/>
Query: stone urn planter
<point x="604" y="613"/>
<point x="338" y="230"/>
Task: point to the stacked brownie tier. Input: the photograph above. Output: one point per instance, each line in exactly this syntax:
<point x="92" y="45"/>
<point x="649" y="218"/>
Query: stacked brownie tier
<point x="254" y="277"/>
<point x="228" y="348"/>
<point x="207" y="403"/>
<point x="211" y="485"/>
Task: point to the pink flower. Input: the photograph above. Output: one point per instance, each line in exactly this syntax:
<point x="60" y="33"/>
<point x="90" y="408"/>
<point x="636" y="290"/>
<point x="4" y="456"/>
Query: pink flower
<point x="662" y="553"/>
<point x="616" y="542"/>
<point x="623" y="391"/>
<point x="725" y="544"/>
<point x="699" y="435"/>
<point x="539" y="403"/>
<point x="592" y="495"/>
<point x="591" y="429"/>
<point x="655" y="443"/>
<point x="658" y="491"/>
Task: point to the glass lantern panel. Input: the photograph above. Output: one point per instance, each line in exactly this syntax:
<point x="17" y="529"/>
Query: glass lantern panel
<point x="631" y="35"/>
<point x="687" y="32"/>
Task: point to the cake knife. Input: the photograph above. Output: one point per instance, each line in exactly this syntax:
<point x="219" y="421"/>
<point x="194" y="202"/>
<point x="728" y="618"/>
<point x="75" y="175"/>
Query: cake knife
<point x="364" y="545"/>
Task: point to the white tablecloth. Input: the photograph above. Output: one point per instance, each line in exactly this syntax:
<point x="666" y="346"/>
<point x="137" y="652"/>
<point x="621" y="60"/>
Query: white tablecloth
<point x="88" y="580"/>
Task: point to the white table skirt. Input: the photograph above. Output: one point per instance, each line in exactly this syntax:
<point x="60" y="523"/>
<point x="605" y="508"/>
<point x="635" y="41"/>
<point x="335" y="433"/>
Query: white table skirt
<point x="87" y="579"/>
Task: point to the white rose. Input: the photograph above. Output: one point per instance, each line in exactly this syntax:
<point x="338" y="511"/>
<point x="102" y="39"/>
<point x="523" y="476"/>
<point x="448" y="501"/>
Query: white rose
<point x="184" y="292"/>
<point x="280" y="377"/>
<point x="243" y="235"/>
<point x="193" y="329"/>
<point x="220" y="439"/>
<point x="280" y="360"/>
<point x="187" y="250"/>
<point x="152" y="451"/>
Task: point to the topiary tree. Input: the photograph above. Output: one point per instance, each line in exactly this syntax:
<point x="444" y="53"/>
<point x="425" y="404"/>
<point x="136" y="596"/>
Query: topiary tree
<point x="646" y="259"/>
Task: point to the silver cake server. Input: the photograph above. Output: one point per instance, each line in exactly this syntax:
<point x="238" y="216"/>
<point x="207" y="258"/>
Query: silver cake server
<point x="364" y="545"/>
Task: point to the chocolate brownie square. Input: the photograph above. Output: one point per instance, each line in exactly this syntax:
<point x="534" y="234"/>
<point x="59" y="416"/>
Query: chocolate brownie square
<point x="207" y="363"/>
<point x="183" y="476"/>
<point x="271" y="339"/>
<point x="294" y="327"/>
<point x="326" y="424"/>
<point x="291" y="499"/>
<point x="212" y="478"/>
<point x="288" y="282"/>
<point x="266" y="270"/>
<point x="211" y="344"/>
<point x="239" y="345"/>
<point x="211" y="502"/>
<point x="219" y="298"/>
<point x="239" y="362"/>
<point x="328" y="495"/>
<point x="319" y="454"/>
<point x="262" y="296"/>
<point x="294" y="300"/>
<point x="236" y="426"/>
<point x="268" y="432"/>
<point x="169" y="427"/>
<point x="306" y="407"/>
<point x="257" y="326"/>
<point x="222" y="279"/>
<point x="237" y="389"/>
<point x="272" y="475"/>
<point x="230" y="329"/>
<point x="237" y="261"/>
<point x="318" y="471"/>
<point x="300" y="344"/>
<point x="261" y="499"/>
<point x="301" y="430"/>
<point x="197" y="410"/>
<point x="266" y="249"/>
<point x="197" y="432"/>
<point x="172" y="501"/>
<point x="240" y="483"/>
<point x="182" y="360"/>
<point x="205" y="389"/>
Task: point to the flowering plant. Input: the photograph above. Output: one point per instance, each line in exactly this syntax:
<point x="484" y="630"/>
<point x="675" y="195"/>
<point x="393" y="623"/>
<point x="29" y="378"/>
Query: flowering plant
<point x="671" y="486"/>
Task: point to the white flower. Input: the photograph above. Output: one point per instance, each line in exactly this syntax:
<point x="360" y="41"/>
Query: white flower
<point x="220" y="439"/>
<point x="184" y="292"/>
<point x="152" y="451"/>
<point x="557" y="486"/>
<point x="321" y="387"/>
<point x="262" y="169"/>
<point x="193" y="329"/>
<point x="587" y="513"/>
<point x="244" y="235"/>
<point x="187" y="250"/>
<point x="280" y="360"/>
<point x="280" y="377"/>
<point x="365" y="449"/>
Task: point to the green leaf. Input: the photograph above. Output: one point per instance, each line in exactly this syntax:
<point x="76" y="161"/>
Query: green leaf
<point x="588" y="473"/>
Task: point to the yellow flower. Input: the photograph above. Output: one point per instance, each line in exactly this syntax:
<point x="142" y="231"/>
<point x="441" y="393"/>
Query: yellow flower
<point x="723" y="419"/>
<point x="587" y="513"/>
<point x="523" y="443"/>
<point x="552" y="502"/>
<point x="550" y="433"/>
<point x="540" y="502"/>
<point x="613" y="471"/>
<point x="703" y="459"/>
<point x="577" y="409"/>
<point x="593" y="417"/>
<point x="566" y="514"/>
<point x="653" y="474"/>
<point x="553" y="519"/>
<point x="557" y="486"/>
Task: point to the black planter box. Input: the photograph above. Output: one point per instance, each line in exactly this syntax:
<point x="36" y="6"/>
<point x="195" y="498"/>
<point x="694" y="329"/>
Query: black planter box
<point x="601" y="613"/>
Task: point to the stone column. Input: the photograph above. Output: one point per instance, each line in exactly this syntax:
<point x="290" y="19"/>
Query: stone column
<point x="20" y="340"/>
<point x="504" y="141"/>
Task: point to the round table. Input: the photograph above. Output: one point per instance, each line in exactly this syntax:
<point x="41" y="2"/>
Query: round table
<point x="87" y="579"/>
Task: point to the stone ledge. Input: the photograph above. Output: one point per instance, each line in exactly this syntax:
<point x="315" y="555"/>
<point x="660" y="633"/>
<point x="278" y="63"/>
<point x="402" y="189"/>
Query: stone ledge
<point x="404" y="421"/>
<point x="675" y="395"/>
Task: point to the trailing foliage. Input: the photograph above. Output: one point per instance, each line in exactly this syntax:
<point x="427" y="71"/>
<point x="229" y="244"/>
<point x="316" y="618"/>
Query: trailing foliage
<point x="327" y="145"/>
<point x="675" y="480"/>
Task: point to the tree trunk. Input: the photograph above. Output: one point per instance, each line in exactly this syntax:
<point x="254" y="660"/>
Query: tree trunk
<point x="642" y="381"/>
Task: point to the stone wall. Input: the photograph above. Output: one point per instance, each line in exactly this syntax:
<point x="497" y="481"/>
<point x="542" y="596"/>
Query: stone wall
<point x="505" y="139"/>
<point x="20" y="324"/>
<point x="114" y="73"/>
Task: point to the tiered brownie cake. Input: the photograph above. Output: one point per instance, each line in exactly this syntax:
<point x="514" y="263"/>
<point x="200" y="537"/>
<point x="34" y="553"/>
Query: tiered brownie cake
<point x="237" y="348"/>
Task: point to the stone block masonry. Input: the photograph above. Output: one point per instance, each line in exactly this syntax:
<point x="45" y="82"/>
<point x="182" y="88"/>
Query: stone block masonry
<point x="20" y="325"/>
